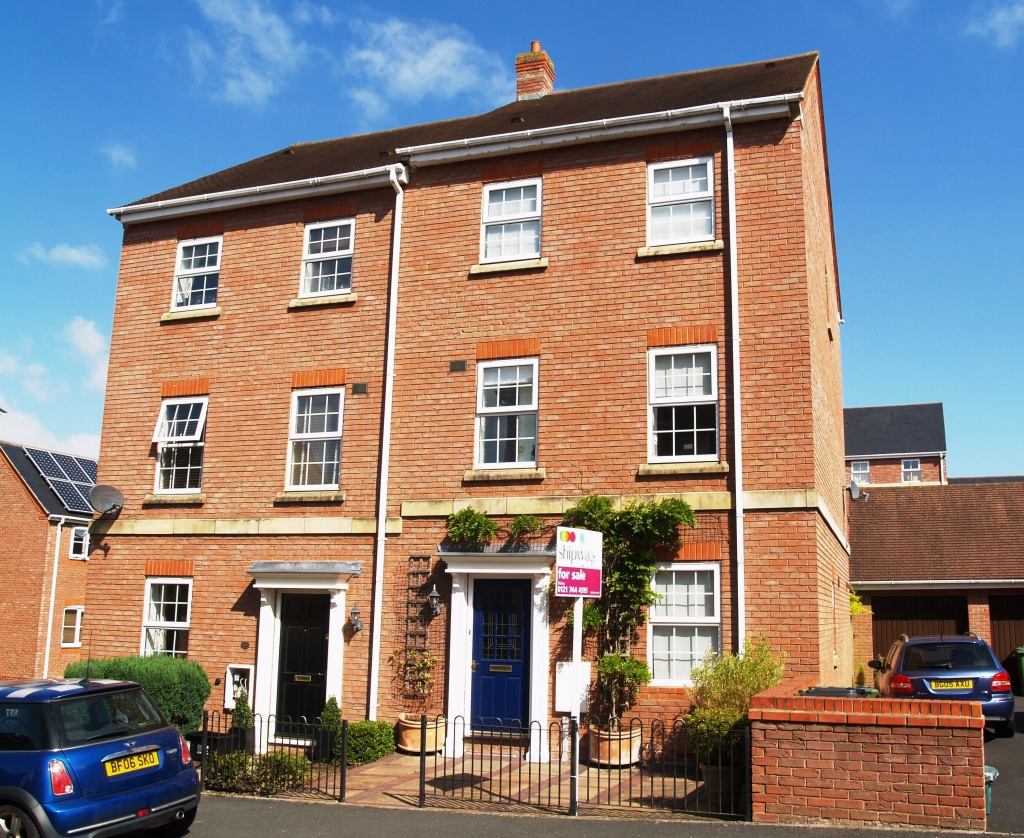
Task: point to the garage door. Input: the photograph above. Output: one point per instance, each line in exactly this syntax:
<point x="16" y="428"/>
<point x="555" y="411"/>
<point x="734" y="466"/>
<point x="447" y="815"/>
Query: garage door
<point x="915" y="616"/>
<point x="1006" y="611"/>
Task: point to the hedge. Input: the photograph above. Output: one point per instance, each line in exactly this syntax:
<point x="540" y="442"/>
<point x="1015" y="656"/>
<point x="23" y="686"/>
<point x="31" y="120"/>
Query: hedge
<point x="263" y="774"/>
<point x="368" y="742"/>
<point x="179" y="687"/>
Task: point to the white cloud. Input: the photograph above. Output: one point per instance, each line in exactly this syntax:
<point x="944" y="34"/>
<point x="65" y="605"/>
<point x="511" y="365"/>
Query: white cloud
<point x="403" y="61"/>
<point x="87" y="256"/>
<point x="305" y="12"/>
<point x="34" y="377"/>
<point x="83" y="335"/>
<point x="121" y="156"/>
<point x="896" y="8"/>
<point x="1002" y="24"/>
<point x="26" y="429"/>
<point x="253" y="53"/>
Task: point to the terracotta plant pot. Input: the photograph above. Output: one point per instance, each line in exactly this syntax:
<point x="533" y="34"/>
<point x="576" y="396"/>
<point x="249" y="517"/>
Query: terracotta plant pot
<point x="407" y="733"/>
<point x="723" y="785"/>
<point x="614" y="747"/>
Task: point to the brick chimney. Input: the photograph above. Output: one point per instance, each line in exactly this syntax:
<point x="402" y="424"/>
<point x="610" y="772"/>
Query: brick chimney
<point x="535" y="73"/>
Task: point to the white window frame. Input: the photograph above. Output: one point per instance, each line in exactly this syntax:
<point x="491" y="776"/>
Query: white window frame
<point x="83" y="555"/>
<point x="163" y="440"/>
<point x="865" y="473"/>
<point x="308" y="258"/>
<point x="180" y="273"/>
<point x="512" y="219"/>
<point x="694" y="197"/>
<point x="670" y="401"/>
<point x="313" y="437"/>
<point x="904" y="470"/>
<point x="652" y="620"/>
<point x="79" y="612"/>
<point x="482" y="412"/>
<point x="151" y="624"/>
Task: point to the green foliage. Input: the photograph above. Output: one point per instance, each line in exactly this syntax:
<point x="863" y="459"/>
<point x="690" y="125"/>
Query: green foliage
<point x="330" y="716"/>
<point x="857" y="606"/>
<point x="591" y="513"/>
<point x="522" y="526"/>
<point x="179" y="687"/>
<point x="862" y="677"/>
<point x="715" y="736"/>
<point x="415" y="669"/>
<point x="368" y="742"/>
<point x="621" y="678"/>
<point x="242" y="717"/>
<point x="263" y="775"/>
<point x="470" y="528"/>
<point x="593" y="619"/>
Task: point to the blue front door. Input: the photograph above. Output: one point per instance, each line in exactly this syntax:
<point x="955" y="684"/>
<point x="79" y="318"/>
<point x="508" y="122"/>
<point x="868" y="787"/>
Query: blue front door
<point x="501" y="657"/>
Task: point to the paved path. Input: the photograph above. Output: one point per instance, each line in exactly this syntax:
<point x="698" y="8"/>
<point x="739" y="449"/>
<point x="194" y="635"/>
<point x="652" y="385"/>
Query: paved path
<point x="1007" y="755"/>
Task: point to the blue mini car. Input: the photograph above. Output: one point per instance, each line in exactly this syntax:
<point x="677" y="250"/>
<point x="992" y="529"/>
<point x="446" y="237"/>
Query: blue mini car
<point x="88" y="759"/>
<point x="954" y="667"/>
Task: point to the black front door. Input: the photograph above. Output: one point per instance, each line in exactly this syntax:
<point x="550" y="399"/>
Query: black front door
<point x="501" y="653"/>
<point x="302" y="678"/>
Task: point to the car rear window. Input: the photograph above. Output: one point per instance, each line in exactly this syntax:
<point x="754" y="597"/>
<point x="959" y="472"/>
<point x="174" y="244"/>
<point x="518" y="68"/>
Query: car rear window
<point x="22" y="727"/>
<point x="93" y="718"/>
<point x="950" y="656"/>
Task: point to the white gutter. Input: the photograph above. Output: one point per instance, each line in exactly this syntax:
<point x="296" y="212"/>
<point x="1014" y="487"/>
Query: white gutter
<point x="53" y="596"/>
<point x="737" y="412"/>
<point x="938" y="583"/>
<point x="287" y="191"/>
<point x="850" y="457"/>
<point x="397" y="175"/>
<point x="765" y="107"/>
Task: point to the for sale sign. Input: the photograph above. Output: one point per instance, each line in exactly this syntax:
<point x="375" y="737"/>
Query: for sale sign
<point x="578" y="563"/>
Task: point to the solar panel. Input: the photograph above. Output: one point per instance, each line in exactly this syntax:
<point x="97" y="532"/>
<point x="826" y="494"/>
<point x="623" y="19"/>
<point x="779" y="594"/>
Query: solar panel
<point x="88" y="466"/>
<point x="46" y="464"/>
<point x="71" y="478"/>
<point x="70" y="496"/>
<point x="71" y="468"/>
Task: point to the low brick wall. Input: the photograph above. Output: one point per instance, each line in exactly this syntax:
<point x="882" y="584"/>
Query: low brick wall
<point x="881" y="761"/>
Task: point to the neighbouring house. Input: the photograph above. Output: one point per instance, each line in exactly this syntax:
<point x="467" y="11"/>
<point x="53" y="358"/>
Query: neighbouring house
<point x="318" y="355"/>
<point x="896" y="445"/>
<point x="940" y="559"/>
<point x="44" y="549"/>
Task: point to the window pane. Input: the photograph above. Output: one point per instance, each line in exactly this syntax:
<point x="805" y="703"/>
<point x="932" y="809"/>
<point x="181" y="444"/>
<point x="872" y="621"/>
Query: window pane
<point x="509" y="386"/>
<point x="181" y="420"/>
<point x="181" y="467"/>
<point x="681" y="180"/>
<point x="681" y="222"/>
<point x="167" y="642"/>
<point x="330" y="239"/>
<point x="517" y="240"/>
<point x="195" y="257"/>
<point x="684" y="593"/>
<point x="316" y="463"/>
<point x="168" y="602"/>
<point x="69" y="630"/>
<point x="516" y="200"/>
<point x="318" y="413"/>
<point x="508" y="439"/>
<point x="677" y="649"/>
<point x="685" y="374"/>
<point x="686" y="430"/>
<point x="329" y="275"/>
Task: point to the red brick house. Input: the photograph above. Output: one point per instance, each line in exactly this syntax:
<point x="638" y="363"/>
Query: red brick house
<point x="44" y="549"/>
<point x="896" y="445"/>
<point x="318" y="355"/>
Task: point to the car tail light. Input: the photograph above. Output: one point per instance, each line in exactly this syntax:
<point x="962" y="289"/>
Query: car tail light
<point x="60" y="778"/>
<point x="901" y="685"/>
<point x="186" y="754"/>
<point x="1001" y="682"/>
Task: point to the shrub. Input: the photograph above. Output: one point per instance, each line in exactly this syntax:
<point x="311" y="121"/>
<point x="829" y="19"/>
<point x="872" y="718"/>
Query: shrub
<point x="330" y="716"/>
<point x="263" y="775"/>
<point x="862" y="677"/>
<point x="242" y="717"/>
<point x="179" y="687"/>
<point x="369" y="741"/>
<point x="470" y="528"/>
<point x="522" y="526"/>
<point x="621" y="679"/>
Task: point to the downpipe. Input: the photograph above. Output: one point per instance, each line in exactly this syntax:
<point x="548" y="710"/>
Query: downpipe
<point x="53" y="596"/>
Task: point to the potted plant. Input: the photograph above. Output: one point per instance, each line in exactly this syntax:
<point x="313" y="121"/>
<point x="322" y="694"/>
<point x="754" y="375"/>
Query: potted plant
<point x="621" y="677"/>
<point x="723" y="687"/>
<point x="243" y="724"/>
<point x="330" y="730"/>
<point x="414" y="667"/>
<point x="470" y="529"/>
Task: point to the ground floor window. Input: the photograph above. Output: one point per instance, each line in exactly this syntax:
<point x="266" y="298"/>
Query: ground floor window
<point x="71" y="630"/>
<point x="685" y="622"/>
<point x="167" y="616"/>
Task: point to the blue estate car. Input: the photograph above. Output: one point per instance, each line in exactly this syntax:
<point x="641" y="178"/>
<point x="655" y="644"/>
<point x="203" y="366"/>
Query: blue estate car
<point x="955" y="667"/>
<point x="90" y="759"/>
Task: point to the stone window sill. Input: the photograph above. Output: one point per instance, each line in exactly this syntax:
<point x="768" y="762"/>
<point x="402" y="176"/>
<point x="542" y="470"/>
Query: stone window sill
<point x="309" y="497"/>
<point x="175" y="500"/>
<point x="333" y="300"/>
<point x="672" y="249"/>
<point x="190" y="314"/>
<point x="489" y="475"/>
<point x="505" y="267"/>
<point x="658" y="469"/>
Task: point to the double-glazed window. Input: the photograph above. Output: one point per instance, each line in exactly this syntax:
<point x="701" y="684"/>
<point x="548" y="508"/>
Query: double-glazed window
<point x="911" y="471"/>
<point x="860" y="470"/>
<point x="511" y="221"/>
<point x="327" y="258"/>
<point x="684" y="624"/>
<point x="507" y="414"/>
<point x="314" y="446"/>
<point x="683" y="404"/>
<point x="179" y="439"/>
<point x="197" y="275"/>
<point x="166" y="620"/>
<point x="79" y="543"/>
<point x="680" y="201"/>
<point x="71" y="627"/>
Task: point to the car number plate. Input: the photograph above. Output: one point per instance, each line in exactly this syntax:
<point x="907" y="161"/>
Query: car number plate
<point x="953" y="685"/>
<point x="135" y="762"/>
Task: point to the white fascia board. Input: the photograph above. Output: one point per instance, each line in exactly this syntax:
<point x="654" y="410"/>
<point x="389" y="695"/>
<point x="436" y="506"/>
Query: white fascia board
<point x="910" y="584"/>
<point x="769" y="107"/>
<point x="909" y="454"/>
<point x="269" y="193"/>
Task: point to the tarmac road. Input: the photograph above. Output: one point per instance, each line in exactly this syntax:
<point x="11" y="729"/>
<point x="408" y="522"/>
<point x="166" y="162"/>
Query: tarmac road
<point x="1007" y="755"/>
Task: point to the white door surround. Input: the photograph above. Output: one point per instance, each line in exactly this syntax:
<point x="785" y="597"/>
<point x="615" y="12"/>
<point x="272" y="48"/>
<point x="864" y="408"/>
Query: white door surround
<point x="274" y="578"/>
<point x="464" y="568"/>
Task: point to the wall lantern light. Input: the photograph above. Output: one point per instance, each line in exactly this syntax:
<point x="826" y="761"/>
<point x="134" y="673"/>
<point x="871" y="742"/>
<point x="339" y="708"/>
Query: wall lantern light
<point x="357" y="624"/>
<point x="434" y="598"/>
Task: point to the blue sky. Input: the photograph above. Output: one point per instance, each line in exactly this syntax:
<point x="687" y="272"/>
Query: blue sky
<point x="105" y="102"/>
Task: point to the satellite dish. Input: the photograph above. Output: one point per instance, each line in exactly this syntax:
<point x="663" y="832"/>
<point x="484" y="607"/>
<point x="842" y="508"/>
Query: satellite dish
<point x="106" y="499"/>
<point x="854" y="490"/>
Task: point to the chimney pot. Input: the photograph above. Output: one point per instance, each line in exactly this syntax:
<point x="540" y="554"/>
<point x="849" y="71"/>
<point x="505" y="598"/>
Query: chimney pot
<point x="535" y="47"/>
<point x="535" y="73"/>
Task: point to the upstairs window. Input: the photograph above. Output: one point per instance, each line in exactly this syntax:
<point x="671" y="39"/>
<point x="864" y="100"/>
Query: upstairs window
<point x="684" y="623"/>
<point x="511" y="221"/>
<point x="179" y="434"/>
<point x="683" y="404"/>
<point x="198" y="273"/>
<point x="911" y="471"/>
<point x="680" y="201"/>
<point x="314" y="451"/>
<point x="79" y="543"/>
<point x="71" y="628"/>
<point x="860" y="470"/>
<point x="166" y="620"/>
<point x="507" y="414"/>
<point x="327" y="258"/>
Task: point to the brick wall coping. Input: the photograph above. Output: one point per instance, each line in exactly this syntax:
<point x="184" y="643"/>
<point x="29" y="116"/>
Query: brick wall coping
<point x="782" y="704"/>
